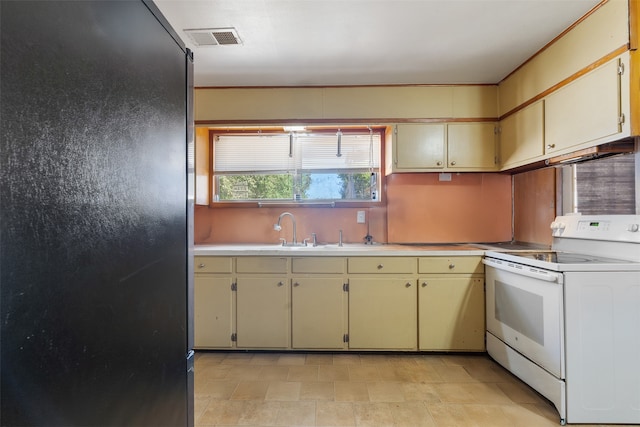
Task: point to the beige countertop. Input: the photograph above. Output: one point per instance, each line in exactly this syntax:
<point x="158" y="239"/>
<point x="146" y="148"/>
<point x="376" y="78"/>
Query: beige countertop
<point x="348" y="249"/>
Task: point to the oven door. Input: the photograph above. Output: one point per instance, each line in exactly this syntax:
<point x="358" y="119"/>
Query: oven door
<point x="525" y="311"/>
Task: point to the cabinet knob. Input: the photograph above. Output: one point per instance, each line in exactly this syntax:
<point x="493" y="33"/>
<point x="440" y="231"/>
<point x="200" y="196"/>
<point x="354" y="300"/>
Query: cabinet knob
<point x="380" y="266"/>
<point x="424" y="284"/>
<point x="438" y="163"/>
<point x="550" y="146"/>
<point x="453" y="163"/>
<point x="408" y="285"/>
<point x="452" y="266"/>
<point x="200" y="265"/>
<point x="296" y="284"/>
<point x="280" y="284"/>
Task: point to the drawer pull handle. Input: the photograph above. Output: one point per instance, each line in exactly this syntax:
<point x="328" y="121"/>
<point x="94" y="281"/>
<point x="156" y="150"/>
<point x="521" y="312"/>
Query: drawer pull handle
<point x="200" y="265"/>
<point x="424" y="284"/>
<point x="550" y="146"/>
<point x="280" y="284"/>
<point x="380" y="266"/>
<point x="452" y="266"/>
<point x="408" y="285"/>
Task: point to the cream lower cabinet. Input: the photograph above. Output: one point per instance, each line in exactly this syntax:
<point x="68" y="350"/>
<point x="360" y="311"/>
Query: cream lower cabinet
<point x="263" y="302"/>
<point x="382" y="303"/>
<point x="213" y="302"/>
<point x="451" y="304"/>
<point x="318" y="303"/>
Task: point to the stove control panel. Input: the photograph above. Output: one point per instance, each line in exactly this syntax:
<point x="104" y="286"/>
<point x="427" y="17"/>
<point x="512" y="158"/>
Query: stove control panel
<point x="614" y="228"/>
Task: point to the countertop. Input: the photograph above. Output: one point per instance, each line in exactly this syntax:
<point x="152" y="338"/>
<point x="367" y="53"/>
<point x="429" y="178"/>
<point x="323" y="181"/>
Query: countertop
<point x="348" y="249"/>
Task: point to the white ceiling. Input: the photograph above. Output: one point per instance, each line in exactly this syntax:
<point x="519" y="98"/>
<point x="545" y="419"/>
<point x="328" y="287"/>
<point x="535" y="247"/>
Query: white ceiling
<point x="369" y="42"/>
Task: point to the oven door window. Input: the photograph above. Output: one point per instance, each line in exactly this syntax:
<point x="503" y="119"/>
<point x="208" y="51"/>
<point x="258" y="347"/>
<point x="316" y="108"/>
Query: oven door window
<point x="521" y="310"/>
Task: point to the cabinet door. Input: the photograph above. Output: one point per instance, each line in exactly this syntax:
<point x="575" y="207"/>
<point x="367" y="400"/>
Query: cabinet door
<point x="382" y="313"/>
<point x="262" y="305"/>
<point x="471" y="146"/>
<point x="451" y="313"/>
<point x="419" y="146"/>
<point x="585" y="110"/>
<point x="522" y="135"/>
<point x="318" y="313"/>
<point x="213" y="302"/>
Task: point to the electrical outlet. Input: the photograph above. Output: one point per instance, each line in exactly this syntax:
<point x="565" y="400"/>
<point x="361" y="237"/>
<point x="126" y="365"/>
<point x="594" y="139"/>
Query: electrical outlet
<point x="360" y="218"/>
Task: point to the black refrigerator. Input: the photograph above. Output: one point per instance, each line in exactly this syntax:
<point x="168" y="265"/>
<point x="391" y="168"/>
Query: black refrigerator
<point x="96" y="208"/>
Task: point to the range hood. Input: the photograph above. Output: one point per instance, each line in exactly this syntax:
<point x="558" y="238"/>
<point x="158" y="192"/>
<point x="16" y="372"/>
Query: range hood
<point x="605" y="150"/>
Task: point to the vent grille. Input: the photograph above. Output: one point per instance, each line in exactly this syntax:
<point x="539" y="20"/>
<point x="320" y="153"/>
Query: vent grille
<point x="214" y="36"/>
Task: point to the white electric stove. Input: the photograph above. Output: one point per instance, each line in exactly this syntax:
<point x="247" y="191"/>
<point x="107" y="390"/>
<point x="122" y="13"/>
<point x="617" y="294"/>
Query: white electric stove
<point x="567" y="321"/>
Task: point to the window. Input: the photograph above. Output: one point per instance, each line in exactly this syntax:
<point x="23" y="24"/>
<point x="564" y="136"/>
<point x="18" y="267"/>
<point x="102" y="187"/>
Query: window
<point x="320" y="165"/>
<point x="602" y="187"/>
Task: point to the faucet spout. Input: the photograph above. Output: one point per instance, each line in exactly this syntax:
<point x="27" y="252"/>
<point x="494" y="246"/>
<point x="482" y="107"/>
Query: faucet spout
<point x="278" y="227"/>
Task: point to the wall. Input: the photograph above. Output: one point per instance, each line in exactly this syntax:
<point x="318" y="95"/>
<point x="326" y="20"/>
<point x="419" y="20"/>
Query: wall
<point x="534" y="205"/>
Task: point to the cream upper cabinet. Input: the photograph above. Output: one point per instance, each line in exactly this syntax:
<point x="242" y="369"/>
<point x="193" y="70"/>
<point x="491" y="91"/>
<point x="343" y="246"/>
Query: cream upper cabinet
<point x="522" y="136"/>
<point x="586" y="110"/>
<point x="444" y="147"/>
<point x="418" y="146"/>
<point x="471" y="146"/>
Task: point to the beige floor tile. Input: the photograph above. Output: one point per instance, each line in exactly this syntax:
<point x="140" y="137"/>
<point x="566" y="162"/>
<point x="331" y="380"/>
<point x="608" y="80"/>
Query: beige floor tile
<point x="200" y="403"/>
<point x="363" y="373"/>
<point x="376" y="414"/>
<point x="471" y="393"/>
<point x="525" y="415"/>
<point x="265" y="359"/>
<point x="385" y="392"/>
<point x="450" y="373"/>
<point x="257" y="413"/>
<point x="319" y="359"/>
<point x="237" y="359"/>
<point x="283" y="391"/>
<point x="218" y="390"/>
<point x="297" y="414"/>
<point x="334" y="414"/>
<point x="220" y="412"/>
<point x="212" y="372"/>
<point x="521" y="393"/>
<point x="292" y="359"/>
<point x="449" y="415"/>
<point x="303" y="373"/>
<point x="317" y="391"/>
<point x="243" y="373"/>
<point x="420" y="392"/>
<point x="411" y="414"/>
<point x="376" y="359"/>
<point x="351" y="391"/>
<point x="274" y="373"/>
<point x="250" y="390"/>
<point x="333" y="373"/>
<point x="346" y="359"/>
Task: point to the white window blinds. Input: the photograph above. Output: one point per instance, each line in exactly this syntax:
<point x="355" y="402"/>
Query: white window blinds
<point x="309" y="151"/>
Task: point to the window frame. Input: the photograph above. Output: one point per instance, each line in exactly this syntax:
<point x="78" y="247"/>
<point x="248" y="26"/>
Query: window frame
<point x="382" y="130"/>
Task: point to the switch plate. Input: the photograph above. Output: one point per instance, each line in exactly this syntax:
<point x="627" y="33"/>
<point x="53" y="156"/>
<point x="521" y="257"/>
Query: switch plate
<point x="360" y="218"/>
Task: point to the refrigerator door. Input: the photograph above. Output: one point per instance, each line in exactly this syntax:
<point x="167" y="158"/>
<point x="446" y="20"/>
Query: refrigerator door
<point x="94" y="216"/>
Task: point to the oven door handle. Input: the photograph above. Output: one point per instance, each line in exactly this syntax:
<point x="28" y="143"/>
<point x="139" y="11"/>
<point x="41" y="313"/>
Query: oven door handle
<point x="525" y="271"/>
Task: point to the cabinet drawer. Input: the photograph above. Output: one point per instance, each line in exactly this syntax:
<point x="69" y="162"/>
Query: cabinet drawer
<point x="261" y="265"/>
<point x="317" y="265"/>
<point x="211" y="264"/>
<point x="381" y="265"/>
<point x="456" y="264"/>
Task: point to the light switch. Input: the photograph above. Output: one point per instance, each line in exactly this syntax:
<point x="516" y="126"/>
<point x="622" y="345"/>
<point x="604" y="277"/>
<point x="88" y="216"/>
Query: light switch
<point x="360" y="218"/>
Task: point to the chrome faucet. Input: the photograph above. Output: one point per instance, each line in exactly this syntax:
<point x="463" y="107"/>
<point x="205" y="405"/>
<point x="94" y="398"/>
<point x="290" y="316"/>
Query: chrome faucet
<point x="278" y="227"/>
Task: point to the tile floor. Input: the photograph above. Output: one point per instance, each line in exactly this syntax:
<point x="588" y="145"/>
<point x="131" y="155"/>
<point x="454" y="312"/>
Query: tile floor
<point x="324" y="389"/>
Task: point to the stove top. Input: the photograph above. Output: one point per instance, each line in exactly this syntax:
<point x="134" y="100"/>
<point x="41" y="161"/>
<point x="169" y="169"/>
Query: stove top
<point x="565" y="257"/>
<point x="565" y="261"/>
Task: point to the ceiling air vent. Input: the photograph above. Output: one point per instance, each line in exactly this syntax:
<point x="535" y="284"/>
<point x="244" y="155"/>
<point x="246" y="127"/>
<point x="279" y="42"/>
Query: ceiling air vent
<point x="214" y="36"/>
